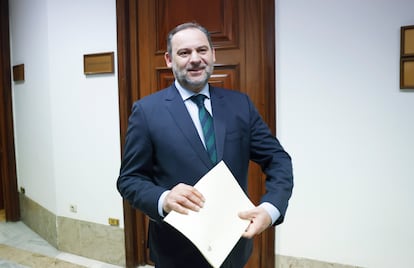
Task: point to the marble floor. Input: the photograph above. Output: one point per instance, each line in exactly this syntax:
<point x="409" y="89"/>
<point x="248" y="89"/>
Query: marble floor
<point x="20" y="247"/>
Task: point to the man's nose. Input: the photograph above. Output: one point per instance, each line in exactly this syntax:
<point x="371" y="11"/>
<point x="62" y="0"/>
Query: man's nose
<point x="195" y="57"/>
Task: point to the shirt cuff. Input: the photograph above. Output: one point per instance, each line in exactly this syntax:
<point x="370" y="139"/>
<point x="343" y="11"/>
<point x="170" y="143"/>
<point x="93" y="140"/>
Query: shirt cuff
<point x="161" y="202"/>
<point x="272" y="210"/>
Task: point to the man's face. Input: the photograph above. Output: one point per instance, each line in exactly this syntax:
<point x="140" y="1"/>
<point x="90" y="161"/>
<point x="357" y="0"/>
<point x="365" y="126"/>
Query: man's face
<point x="191" y="58"/>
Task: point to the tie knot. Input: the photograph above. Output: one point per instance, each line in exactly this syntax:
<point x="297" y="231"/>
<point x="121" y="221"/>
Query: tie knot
<point x="198" y="99"/>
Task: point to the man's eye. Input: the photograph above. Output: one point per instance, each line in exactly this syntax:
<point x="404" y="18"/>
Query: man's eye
<point x="183" y="53"/>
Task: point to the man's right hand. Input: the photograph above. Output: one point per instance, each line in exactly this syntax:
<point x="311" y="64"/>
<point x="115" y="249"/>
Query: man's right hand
<point x="183" y="198"/>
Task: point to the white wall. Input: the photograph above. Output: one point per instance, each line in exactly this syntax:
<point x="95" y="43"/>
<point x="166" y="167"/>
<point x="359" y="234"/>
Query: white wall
<point x="349" y="129"/>
<point x="32" y="101"/>
<point x="67" y="125"/>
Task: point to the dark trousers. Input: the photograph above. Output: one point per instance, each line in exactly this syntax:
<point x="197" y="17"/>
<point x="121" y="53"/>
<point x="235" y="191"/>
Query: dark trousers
<point x="170" y="249"/>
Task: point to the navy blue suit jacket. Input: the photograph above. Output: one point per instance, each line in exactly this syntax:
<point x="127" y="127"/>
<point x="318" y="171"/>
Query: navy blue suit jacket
<point x="163" y="149"/>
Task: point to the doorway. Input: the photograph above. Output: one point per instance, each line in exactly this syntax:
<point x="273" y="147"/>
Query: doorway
<point x="8" y="178"/>
<point x="243" y="34"/>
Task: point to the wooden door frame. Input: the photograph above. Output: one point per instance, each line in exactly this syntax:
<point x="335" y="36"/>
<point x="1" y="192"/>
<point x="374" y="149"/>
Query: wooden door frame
<point x="7" y="153"/>
<point x="128" y="89"/>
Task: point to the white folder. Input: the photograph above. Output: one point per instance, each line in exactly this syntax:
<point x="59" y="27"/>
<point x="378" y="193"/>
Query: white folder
<point x="216" y="228"/>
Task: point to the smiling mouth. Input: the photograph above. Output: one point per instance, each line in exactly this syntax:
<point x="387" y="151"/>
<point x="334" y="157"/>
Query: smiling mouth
<point x="196" y="71"/>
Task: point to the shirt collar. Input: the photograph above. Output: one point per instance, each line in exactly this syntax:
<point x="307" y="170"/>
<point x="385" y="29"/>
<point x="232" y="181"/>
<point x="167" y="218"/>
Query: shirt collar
<point x="186" y="94"/>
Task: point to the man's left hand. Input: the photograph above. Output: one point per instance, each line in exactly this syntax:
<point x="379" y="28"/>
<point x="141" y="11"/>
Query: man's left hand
<point x="259" y="218"/>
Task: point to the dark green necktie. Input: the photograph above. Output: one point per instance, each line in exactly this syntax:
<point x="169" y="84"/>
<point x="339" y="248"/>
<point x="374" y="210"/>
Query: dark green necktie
<point x="207" y="125"/>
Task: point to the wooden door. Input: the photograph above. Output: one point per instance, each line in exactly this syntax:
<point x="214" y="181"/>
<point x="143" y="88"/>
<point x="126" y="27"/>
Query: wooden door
<point x="8" y="175"/>
<point x="243" y="35"/>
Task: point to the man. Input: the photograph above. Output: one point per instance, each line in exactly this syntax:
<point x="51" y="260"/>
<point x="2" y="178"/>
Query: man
<point x="167" y="152"/>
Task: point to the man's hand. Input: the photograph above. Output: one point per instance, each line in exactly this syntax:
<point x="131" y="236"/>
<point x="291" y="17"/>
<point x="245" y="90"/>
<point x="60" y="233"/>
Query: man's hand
<point x="259" y="218"/>
<point x="182" y="198"/>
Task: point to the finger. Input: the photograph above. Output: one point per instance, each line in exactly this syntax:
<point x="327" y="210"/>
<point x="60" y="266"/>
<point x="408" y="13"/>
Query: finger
<point x="245" y="215"/>
<point x="196" y="198"/>
<point x="172" y="202"/>
<point x="250" y="231"/>
<point x="175" y="206"/>
<point x="189" y="197"/>
<point x="259" y="221"/>
<point x="183" y="198"/>
<point x="195" y="193"/>
<point x="190" y="202"/>
<point x="248" y="215"/>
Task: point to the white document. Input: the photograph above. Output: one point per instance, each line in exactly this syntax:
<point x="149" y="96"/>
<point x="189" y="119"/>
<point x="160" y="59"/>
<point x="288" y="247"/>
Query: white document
<point x="216" y="228"/>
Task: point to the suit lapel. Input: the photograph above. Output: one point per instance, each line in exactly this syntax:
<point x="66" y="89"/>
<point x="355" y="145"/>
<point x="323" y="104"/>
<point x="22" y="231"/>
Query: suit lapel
<point x="219" y="117"/>
<point x="178" y="111"/>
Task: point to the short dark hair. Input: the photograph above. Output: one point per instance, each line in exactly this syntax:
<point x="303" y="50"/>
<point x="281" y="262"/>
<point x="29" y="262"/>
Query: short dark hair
<point x="184" y="26"/>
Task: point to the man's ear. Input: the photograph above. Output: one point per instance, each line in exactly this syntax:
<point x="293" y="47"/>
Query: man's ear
<point x="168" y="59"/>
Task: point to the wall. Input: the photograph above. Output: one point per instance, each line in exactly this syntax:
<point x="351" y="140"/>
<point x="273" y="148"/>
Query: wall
<point x="349" y="129"/>
<point x="31" y="101"/>
<point x="66" y="123"/>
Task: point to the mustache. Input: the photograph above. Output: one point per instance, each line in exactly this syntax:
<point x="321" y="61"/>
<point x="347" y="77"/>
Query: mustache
<point x="196" y="67"/>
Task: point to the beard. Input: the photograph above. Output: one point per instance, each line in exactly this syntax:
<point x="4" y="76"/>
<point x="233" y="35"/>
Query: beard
<point x="193" y="83"/>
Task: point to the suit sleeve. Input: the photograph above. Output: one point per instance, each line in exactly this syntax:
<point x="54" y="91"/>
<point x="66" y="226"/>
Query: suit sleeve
<point x="135" y="180"/>
<point x="274" y="161"/>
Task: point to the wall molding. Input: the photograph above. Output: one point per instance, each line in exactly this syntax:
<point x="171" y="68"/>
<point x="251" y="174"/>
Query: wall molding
<point x="91" y="240"/>
<point x="294" y="262"/>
